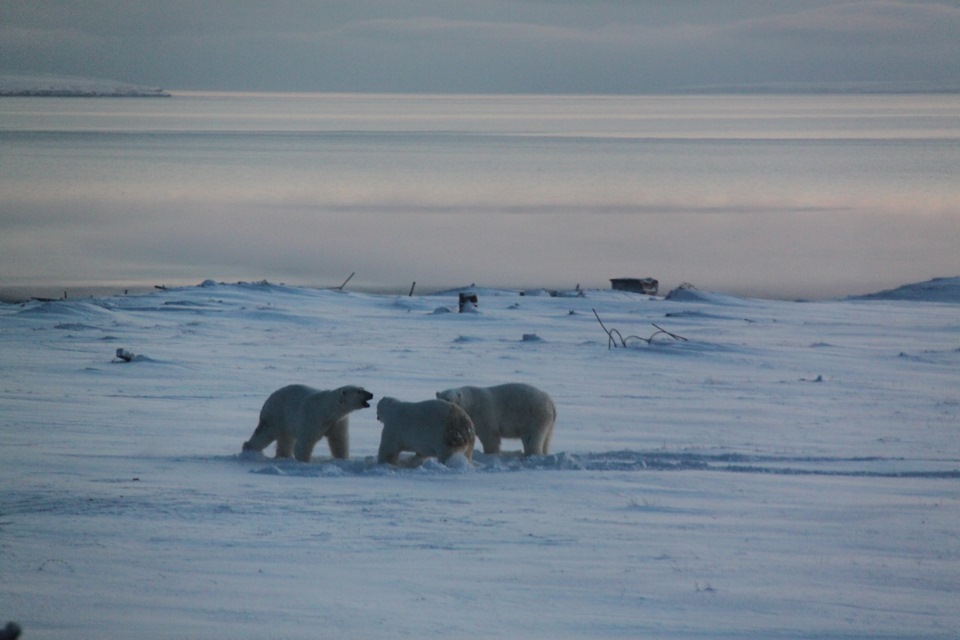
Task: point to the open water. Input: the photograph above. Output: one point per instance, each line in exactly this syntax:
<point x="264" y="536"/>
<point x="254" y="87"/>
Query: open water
<point x="777" y="196"/>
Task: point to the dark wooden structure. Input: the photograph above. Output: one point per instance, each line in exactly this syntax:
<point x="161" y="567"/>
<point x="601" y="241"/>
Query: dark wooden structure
<point x="648" y="286"/>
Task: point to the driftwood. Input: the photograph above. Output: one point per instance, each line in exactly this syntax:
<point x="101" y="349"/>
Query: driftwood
<point x="613" y="335"/>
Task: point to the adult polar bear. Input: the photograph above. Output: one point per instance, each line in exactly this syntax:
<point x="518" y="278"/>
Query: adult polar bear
<point x="297" y="416"/>
<point x="430" y="429"/>
<point x="512" y="410"/>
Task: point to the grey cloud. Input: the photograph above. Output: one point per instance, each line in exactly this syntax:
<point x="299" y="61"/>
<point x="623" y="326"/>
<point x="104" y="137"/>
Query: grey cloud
<point x="854" y="23"/>
<point x="482" y="46"/>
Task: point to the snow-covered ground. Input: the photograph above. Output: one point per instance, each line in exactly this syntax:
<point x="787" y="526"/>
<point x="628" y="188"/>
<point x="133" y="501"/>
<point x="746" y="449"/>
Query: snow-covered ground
<point x="791" y="470"/>
<point x="73" y="86"/>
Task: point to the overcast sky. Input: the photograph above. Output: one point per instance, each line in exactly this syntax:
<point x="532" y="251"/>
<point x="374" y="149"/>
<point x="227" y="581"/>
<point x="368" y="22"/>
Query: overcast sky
<point x="476" y="46"/>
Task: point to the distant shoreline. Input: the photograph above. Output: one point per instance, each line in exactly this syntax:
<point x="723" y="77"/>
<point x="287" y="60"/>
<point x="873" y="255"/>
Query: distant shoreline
<point x="56" y="93"/>
<point x="50" y="86"/>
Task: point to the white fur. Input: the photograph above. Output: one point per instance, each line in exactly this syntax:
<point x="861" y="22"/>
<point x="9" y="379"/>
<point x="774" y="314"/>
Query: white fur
<point x="432" y="428"/>
<point x="512" y="410"/>
<point x="297" y="416"/>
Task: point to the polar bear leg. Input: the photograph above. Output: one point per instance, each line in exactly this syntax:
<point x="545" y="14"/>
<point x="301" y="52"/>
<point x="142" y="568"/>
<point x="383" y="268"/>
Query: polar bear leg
<point x="303" y="449"/>
<point x="261" y="438"/>
<point x="490" y="442"/>
<point x="536" y="443"/>
<point x="546" y="440"/>
<point x="388" y="454"/>
<point x="338" y="438"/>
<point x="284" y="446"/>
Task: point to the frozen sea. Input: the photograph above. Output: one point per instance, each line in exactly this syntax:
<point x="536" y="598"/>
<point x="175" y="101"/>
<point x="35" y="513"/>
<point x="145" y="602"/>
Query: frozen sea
<point x="789" y="470"/>
<point x="800" y="196"/>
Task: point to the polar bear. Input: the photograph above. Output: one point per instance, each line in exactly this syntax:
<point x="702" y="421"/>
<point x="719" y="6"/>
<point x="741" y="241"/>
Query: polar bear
<point x="512" y="410"/>
<point x="432" y="428"/>
<point x="297" y="416"/>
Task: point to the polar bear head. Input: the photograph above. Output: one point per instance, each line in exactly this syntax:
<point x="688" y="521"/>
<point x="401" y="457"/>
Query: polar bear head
<point x="451" y="395"/>
<point x="383" y="407"/>
<point x="352" y="397"/>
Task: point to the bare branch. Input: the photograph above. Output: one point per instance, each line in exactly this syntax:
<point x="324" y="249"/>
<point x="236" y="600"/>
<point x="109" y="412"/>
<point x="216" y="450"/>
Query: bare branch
<point x="613" y="334"/>
<point x="662" y="330"/>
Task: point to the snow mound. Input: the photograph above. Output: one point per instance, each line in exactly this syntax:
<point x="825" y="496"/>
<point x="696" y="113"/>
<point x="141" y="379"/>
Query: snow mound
<point x="935" y="290"/>
<point x="690" y="294"/>
<point x="64" y="309"/>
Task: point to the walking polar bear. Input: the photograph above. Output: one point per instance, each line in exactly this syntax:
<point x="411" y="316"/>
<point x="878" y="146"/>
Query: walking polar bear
<point x="297" y="416"/>
<point x="512" y="410"/>
<point x="432" y="428"/>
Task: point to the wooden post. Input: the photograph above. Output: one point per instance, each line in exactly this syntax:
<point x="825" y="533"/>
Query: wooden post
<point x="340" y="288"/>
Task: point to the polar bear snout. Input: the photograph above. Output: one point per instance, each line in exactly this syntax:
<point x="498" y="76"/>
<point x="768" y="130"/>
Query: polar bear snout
<point x="366" y="397"/>
<point x="358" y="397"/>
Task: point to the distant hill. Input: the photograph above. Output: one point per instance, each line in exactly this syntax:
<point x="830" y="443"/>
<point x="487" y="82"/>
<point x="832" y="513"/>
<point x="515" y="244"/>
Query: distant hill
<point x="70" y="86"/>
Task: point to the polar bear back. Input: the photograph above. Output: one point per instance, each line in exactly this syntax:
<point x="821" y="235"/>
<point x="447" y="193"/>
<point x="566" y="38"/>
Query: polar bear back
<point x="516" y="405"/>
<point x="289" y="405"/>
<point x="431" y="428"/>
<point x="511" y="410"/>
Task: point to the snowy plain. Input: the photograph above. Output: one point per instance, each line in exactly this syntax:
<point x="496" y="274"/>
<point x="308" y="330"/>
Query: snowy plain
<point x="790" y="470"/>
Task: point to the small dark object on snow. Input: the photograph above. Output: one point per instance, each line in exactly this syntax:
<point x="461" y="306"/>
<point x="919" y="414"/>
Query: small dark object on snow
<point x="468" y="302"/>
